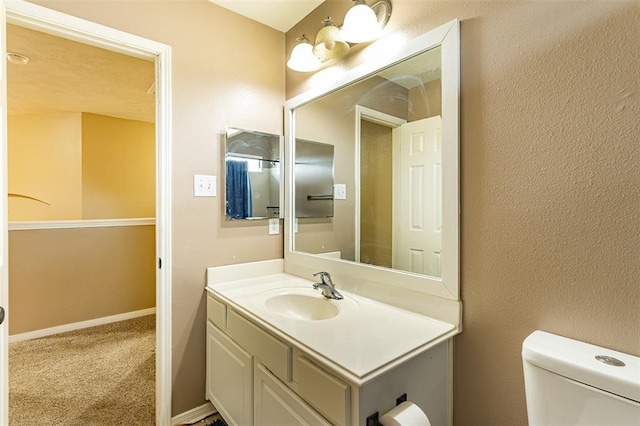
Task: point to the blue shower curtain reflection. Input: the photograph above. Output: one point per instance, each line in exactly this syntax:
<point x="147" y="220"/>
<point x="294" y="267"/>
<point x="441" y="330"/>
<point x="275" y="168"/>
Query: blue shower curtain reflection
<point x="238" y="190"/>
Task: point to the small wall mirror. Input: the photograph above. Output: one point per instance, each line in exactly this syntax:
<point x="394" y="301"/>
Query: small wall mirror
<point x="252" y="174"/>
<point x="394" y="128"/>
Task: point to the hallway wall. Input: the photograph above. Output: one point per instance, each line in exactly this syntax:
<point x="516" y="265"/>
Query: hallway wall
<point x="63" y="276"/>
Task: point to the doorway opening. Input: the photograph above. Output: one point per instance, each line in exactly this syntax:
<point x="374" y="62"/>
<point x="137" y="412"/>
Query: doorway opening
<point x="70" y="28"/>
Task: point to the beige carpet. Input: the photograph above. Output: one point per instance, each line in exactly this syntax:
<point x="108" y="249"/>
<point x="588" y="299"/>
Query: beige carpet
<point x="102" y="375"/>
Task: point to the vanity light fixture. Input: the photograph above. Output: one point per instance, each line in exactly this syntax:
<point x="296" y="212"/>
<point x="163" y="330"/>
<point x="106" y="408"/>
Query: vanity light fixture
<point x="362" y="23"/>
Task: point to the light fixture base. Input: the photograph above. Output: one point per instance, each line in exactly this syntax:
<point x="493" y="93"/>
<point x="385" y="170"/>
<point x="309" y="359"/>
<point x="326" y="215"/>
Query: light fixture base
<point x="382" y="9"/>
<point x="17" y="58"/>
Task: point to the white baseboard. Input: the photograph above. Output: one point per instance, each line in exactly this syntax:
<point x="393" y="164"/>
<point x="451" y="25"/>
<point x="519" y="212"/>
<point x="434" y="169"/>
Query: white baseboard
<point x="194" y="415"/>
<point x="79" y="325"/>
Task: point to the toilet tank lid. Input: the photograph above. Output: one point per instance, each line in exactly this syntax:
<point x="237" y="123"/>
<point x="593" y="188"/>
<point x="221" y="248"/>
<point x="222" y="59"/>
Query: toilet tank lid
<point x="577" y="361"/>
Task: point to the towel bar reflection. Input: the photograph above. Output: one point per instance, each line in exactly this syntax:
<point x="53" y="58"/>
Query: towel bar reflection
<point x="320" y="197"/>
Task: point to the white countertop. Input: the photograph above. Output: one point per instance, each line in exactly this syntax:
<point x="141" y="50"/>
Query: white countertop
<point x="365" y="340"/>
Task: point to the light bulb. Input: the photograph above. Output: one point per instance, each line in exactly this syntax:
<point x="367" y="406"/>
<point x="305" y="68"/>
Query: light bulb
<point x="302" y="58"/>
<point x="329" y="44"/>
<point x="360" y="24"/>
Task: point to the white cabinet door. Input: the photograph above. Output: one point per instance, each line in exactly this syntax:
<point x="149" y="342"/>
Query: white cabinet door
<point x="277" y="405"/>
<point x="229" y="378"/>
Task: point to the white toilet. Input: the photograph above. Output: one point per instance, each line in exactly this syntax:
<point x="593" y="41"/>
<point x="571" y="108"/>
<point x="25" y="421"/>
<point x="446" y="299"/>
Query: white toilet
<point x="574" y="383"/>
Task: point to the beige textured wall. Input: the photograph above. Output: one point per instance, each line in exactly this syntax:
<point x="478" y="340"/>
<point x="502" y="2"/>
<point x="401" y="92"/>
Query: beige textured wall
<point x="227" y="71"/>
<point x="110" y="278"/>
<point x="118" y="168"/>
<point x="550" y="182"/>
<point x="45" y="156"/>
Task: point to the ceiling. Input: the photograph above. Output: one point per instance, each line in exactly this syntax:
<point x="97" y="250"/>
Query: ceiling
<point x="67" y="76"/>
<point x="416" y="71"/>
<point x="279" y="14"/>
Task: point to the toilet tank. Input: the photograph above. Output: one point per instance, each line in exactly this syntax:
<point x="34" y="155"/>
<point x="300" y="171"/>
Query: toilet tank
<point x="566" y="383"/>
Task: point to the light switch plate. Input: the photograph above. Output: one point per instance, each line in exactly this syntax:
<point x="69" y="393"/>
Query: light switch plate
<point x="274" y="226"/>
<point x="340" y="191"/>
<point x="204" y="186"/>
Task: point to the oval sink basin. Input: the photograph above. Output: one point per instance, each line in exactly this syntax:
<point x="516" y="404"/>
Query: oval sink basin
<point x="304" y="304"/>
<point x="300" y="306"/>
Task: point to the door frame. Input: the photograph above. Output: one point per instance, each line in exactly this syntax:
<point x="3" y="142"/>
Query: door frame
<point x="374" y="116"/>
<point x="62" y="25"/>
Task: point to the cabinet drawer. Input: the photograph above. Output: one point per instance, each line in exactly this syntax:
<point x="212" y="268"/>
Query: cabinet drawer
<point x="217" y="312"/>
<point x="325" y="392"/>
<point x="274" y="354"/>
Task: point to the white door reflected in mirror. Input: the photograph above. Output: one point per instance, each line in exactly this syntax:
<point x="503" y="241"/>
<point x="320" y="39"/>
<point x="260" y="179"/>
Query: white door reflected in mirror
<point x="419" y="218"/>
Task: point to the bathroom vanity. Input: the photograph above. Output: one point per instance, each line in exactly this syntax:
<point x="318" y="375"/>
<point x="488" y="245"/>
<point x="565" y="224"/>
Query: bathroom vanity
<point x="279" y="353"/>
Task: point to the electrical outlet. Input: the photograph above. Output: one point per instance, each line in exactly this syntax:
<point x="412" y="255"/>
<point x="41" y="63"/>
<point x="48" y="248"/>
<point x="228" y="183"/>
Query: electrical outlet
<point x="340" y="191"/>
<point x="274" y="226"/>
<point x="204" y="186"/>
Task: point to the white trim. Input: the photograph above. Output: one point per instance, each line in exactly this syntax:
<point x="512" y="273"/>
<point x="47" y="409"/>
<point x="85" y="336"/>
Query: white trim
<point x="79" y="325"/>
<point x="379" y="117"/>
<point x="67" y="224"/>
<point x="4" y="235"/>
<point x="368" y="114"/>
<point x="194" y="415"/>
<point x="49" y="21"/>
<point x="59" y="24"/>
<point x="163" y="237"/>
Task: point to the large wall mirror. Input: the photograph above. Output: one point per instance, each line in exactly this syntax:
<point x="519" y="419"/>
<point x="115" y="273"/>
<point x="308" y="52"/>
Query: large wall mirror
<point x="252" y="174"/>
<point x="394" y="130"/>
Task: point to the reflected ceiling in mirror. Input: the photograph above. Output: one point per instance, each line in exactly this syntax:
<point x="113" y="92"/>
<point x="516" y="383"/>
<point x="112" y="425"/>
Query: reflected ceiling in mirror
<point x="252" y="174"/>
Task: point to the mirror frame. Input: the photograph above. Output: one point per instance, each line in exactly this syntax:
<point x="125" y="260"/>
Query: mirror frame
<point x="448" y="286"/>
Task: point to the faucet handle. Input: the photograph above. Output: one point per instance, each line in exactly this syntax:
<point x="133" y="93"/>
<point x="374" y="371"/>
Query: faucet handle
<point x="325" y="278"/>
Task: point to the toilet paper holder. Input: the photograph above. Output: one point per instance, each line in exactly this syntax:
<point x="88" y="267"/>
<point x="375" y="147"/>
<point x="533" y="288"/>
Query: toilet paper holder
<point x="374" y="419"/>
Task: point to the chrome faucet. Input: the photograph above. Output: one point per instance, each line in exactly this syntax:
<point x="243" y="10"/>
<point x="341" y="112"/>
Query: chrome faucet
<point x="326" y="285"/>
